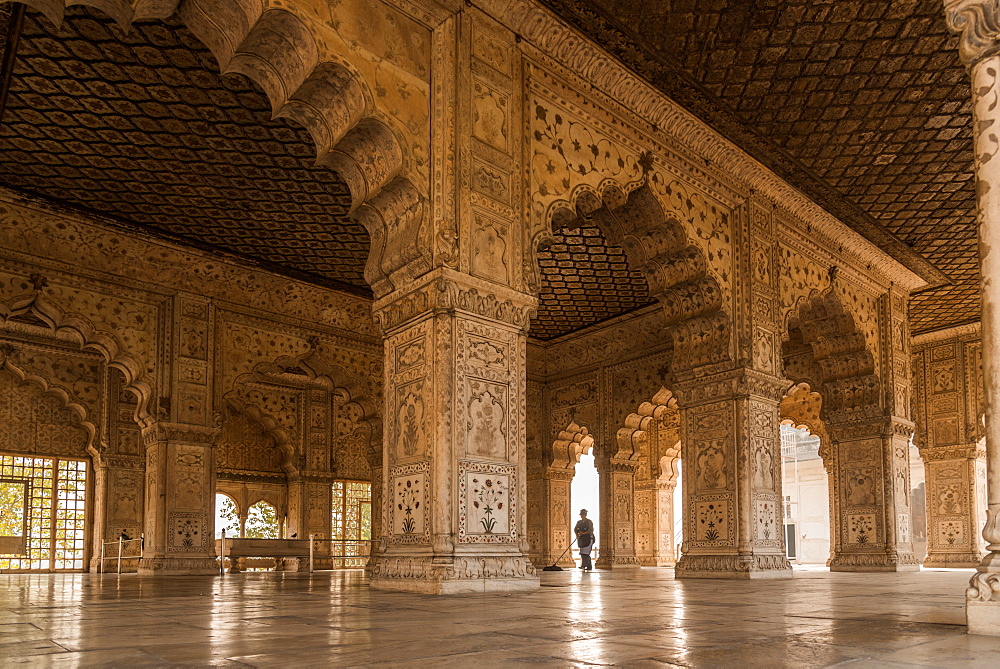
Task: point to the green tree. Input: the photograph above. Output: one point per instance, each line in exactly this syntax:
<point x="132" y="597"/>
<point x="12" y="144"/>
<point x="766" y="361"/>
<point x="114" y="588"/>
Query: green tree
<point x="13" y="503"/>
<point x="262" y="522"/>
<point x="227" y="516"/>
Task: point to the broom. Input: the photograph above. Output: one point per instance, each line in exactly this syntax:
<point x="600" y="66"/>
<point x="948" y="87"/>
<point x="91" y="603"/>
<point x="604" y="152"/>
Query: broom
<point x="553" y="566"/>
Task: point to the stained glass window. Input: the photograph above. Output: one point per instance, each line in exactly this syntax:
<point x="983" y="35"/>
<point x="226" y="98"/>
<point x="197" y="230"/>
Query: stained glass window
<point x="352" y="522"/>
<point x="56" y="495"/>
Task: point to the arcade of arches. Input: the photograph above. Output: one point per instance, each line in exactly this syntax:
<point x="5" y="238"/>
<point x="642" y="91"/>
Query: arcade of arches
<point x="444" y="248"/>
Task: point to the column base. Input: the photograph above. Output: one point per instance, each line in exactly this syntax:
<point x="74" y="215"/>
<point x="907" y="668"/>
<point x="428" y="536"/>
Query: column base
<point x="983" y="617"/>
<point x="982" y="598"/>
<point x="657" y="562"/>
<point x="953" y="560"/>
<point x="874" y="562"/>
<point x="178" y="566"/>
<point x="453" y="575"/>
<point x="733" y="566"/>
<point x="618" y="563"/>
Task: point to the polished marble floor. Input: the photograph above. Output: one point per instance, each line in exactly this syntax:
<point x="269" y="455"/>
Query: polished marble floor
<point x="638" y="618"/>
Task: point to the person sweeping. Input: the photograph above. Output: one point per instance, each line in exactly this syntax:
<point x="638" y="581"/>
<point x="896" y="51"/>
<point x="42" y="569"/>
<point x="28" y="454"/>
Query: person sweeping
<point x="585" y="539"/>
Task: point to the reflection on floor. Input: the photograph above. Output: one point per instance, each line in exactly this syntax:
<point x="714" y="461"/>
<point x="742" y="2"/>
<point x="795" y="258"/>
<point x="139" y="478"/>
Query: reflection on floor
<point x="640" y="618"/>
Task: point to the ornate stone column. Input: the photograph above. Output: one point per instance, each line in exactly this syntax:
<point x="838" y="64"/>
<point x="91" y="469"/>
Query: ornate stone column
<point x="550" y="517"/>
<point x="954" y="526"/>
<point x="732" y="477"/>
<point x="654" y="520"/>
<point x="948" y="402"/>
<point x="870" y="495"/>
<point x="118" y="501"/>
<point x="616" y="536"/>
<point x="978" y="21"/>
<point x="309" y="511"/>
<point x="179" y="510"/>
<point x="454" y="462"/>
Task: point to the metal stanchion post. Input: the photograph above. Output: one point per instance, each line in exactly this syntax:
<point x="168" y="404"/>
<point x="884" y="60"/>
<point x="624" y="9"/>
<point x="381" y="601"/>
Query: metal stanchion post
<point x="119" y="554"/>
<point x="310" y="553"/>
<point x="222" y="557"/>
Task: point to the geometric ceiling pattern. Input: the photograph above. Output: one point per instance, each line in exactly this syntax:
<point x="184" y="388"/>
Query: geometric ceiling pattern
<point x="862" y="104"/>
<point x="141" y="127"/>
<point x="584" y="281"/>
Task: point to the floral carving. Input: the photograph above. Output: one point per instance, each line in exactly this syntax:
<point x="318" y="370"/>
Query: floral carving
<point x="488" y="496"/>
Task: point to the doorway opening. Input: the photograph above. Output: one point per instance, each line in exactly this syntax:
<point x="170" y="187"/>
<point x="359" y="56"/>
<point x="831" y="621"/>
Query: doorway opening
<point x="585" y="494"/>
<point x="806" y="489"/>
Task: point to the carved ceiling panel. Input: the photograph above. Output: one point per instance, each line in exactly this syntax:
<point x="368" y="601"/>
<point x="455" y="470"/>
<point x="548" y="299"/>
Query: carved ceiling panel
<point x="862" y="104"/>
<point x="141" y="127"/>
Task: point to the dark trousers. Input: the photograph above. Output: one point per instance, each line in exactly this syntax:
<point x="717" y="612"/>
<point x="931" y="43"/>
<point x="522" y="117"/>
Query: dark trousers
<point x="585" y="562"/>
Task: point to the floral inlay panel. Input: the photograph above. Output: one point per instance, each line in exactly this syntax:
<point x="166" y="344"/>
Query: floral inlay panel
<point x="408" y="503"/>
<point x="487" y="494"/>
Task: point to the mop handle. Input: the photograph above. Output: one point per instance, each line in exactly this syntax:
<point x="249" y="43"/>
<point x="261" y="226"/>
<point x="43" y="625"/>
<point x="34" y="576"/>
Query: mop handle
<point x="565" y="551"/>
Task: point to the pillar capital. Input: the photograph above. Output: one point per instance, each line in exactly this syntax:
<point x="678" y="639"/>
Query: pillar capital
<point x="730" y="384"/>
<point x="869" y="426"/>
<point x="162" y="431"/>
<point x="978" y="24"/>
<point x="445" y="290"/>
<point x="954" y="452"/>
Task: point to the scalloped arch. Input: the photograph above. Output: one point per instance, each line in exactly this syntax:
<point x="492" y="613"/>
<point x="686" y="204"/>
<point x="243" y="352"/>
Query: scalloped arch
<point x="570" y="444"/>
<point x="309" y="81"/>
<point x="64" y="396"/>
<point x="335" y="379"/>
<point x="657" y="244"/>
<point x="824" y="348"/>
<point x="232" y="499"/>
<point x="636" y="429"/>
<point x="271" y="428"/>
<point x="91" y="338"/>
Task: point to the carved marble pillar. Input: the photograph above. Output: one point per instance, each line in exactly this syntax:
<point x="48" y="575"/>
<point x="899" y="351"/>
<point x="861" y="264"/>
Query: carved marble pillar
<point x="978" y="21"/>
<point x="454" y="460"/>
<point x="118" y="501"/>
<point x="870" y="495"/>
<point x="948" y="403"/>
<point x="616" y="536"/>
<point x="732" y="477"/>
<point x="375" y="466"/>
<point x="654" y="520"/>
<point x="309" y="497"/>
<point x="309" y="512"/>
<point x="550" y="517"/>
<point x="953" y="519"/>
<point x="180" y="501"/>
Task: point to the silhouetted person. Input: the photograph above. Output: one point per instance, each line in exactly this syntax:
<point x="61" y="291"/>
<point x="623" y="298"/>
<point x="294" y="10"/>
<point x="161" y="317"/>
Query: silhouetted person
<point x="585" y="539"/>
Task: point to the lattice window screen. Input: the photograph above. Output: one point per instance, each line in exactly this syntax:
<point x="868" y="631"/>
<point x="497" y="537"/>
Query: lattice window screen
<point x="56" y="513"/>
<point x="351" y="506"/>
